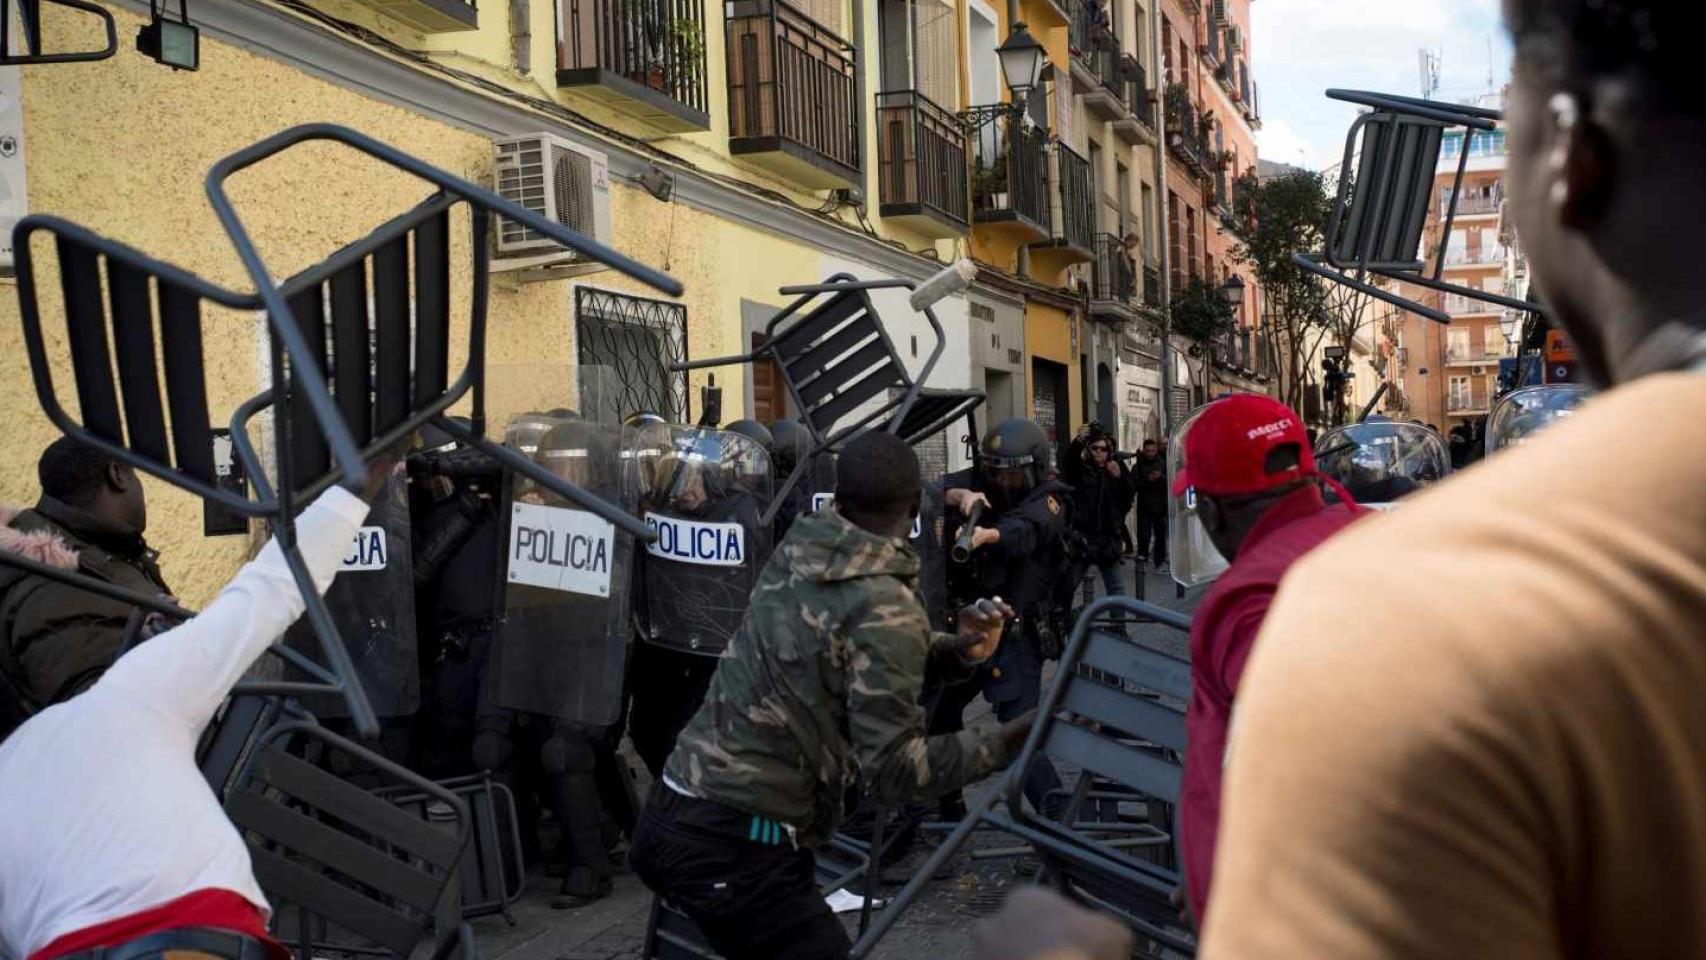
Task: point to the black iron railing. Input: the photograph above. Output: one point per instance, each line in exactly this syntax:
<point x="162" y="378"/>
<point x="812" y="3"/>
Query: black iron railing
<point x="1077" y="223"/>
<point x="1009" y="170"/>
<point x="1137" y="91"/>
<point x="791" y="78"/>
<point x="1114" y="276"/>
<point x="658" y="44"/>
<point x="921" y="155"/>
<point x="1184" y="128"/>
<point x="1152" y="287"/>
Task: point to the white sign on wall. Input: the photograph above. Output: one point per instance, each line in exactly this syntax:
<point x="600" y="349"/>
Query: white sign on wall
<point x="703" y="544"/>
<point x="368" y="551"/>
<point x="560" y="549"/>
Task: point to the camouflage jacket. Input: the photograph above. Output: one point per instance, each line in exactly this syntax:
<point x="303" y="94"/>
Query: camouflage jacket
<point x="821" y="684"/>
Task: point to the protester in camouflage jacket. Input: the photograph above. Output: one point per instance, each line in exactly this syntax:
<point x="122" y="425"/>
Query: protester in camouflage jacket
<point x="822" y="683"/>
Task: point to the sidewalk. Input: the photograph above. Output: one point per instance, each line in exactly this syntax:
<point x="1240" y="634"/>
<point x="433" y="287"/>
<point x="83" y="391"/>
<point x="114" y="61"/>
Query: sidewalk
<point x="936" y="927"/>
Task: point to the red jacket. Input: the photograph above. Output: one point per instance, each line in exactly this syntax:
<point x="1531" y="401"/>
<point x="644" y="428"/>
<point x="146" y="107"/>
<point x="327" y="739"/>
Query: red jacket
<point x="1223" y="631"/>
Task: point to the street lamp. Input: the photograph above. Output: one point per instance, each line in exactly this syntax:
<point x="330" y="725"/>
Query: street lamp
<point x="1022" y="60"/>
<point x="1232" y="291"/>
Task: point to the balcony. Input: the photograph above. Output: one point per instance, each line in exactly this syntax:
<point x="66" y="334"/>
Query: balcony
<point x="1072" y="237"/>
<point x="429" y="16"/>
<point x="1009" y="176"/>
<point x="1096" y="61"/>
<point x="1113" y="281"/>
<point x="1137" y="124"/>
<point x="1461" y="306"/>
<point x="1470" y="402"/>
<point x="1184" y="130"/>
<point x="921" y="165"/>
<point x="644" y="58"/>
<point x="791" y="88"/>
<point x="1475" y="256"/>
<point x="1474" y="206"/>
<point x="1213" y="49"/>
<point x="1465" y="355"/>
<point x="1152" y="288"/>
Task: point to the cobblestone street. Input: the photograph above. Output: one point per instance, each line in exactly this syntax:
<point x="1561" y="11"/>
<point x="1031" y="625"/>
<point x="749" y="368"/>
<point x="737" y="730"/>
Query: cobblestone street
<point x="937" y="927"/>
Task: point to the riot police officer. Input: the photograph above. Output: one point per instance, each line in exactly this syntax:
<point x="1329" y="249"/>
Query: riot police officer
<point x="706" y="496"/>
<point x="1016" y="512"/>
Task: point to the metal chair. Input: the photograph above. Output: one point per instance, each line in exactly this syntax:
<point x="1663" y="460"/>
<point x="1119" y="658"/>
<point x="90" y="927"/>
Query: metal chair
<point x="29" y="19"/>
<point x="334" y="857"/>
<point x="1380" y="213"/>
<point x="1127" y="737"/>
<point x="835" y="357"/>
<point x="492" y="865"/>
<point x="319" y="324"/>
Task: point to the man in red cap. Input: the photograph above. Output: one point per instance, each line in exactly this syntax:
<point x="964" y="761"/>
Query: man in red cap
<point x="1249" y="465"/>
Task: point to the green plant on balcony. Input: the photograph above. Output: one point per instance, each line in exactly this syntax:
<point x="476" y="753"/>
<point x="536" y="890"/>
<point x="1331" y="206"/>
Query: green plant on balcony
<point x="989" y="182"/>
<point x="688" y="38"/>
<point x="1199" y="313"/>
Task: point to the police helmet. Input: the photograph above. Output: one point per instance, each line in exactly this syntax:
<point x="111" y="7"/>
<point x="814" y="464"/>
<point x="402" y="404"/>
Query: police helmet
<point x="791" y="442"/>
<point x="754" y="431"/>
<point x="1015" y="457"/>
<point x="642" y="418"/>
<point x="525" y="431"/>
<point x="436" y="439"/>
<point x="570" y="451"/>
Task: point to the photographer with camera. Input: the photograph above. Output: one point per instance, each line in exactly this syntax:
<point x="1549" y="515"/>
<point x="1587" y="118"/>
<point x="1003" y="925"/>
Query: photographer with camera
<point x="1102" y="494"/>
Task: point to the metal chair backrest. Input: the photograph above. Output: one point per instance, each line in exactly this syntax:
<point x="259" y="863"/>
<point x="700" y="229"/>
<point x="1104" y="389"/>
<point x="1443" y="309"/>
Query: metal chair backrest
<point x="836" y="358"/>
<point x="111" y="290"/>
<point x="344" y="855"/>
<point x="1386" y="207"/>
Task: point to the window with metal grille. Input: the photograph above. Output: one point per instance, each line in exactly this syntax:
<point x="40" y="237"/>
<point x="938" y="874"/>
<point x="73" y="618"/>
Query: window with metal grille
<point x="637" y="339"/>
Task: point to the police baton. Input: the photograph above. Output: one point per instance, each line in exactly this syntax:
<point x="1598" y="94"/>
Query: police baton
<point x="962" y="549"/>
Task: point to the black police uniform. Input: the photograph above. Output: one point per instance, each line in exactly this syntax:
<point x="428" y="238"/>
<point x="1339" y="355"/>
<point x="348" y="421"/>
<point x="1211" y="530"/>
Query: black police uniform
<point x="1022" y="569"/>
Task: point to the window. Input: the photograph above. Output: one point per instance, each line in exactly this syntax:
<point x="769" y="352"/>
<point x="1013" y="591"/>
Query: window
<point x="1192" y="267"/>
<point x="1176" y="241"/>
<point x="1122" y="201"/>
<point x="1485" y="143"/>
<point x="1459" y="394"/>
<point x="1493" y="339"/>
<point x="1457" y="344"/>
<point x="1149" y="221"/>
<point x="638" y="339"/>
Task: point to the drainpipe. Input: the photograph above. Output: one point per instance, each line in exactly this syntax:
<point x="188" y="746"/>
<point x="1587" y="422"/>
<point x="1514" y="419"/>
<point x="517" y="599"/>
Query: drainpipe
<point x="1161" y="218"/>
<point x="865" y="101"/>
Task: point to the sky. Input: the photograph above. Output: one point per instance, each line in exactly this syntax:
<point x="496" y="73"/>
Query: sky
<point x="1302" y="47"/>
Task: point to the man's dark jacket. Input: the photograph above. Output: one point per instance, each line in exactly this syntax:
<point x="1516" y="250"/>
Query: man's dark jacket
<point x="55" y="639"/>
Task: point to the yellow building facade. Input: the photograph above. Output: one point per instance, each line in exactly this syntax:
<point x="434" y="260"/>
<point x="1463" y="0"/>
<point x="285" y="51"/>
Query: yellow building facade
<point x="749" y="200"/>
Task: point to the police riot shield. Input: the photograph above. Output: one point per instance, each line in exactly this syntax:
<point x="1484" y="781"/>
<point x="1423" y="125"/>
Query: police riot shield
<point x="703" y="492"/>
<point x="560" y="648"/>
<point x="1378" y="462"/>
<point x="1193" y="557"/>
<point x="372" y="602"/>
<point x="1526" y="412"/>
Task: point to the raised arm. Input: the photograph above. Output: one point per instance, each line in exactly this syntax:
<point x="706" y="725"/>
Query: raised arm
<point x="188" y="670"/>
<point x="888" y="647"/>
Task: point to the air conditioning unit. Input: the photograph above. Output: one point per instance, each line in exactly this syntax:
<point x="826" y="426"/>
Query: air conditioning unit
<point x="559" y="180"/>
<point x="1218" y="12"/>
<point x="13" y="198"/>
<point x="1234" y="40"/>
<point x="1477" y="371"/>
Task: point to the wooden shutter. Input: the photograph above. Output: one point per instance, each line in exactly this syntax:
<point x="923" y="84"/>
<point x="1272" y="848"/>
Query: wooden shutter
<point x="938" y="69"/>
<point x="769" y="396"/>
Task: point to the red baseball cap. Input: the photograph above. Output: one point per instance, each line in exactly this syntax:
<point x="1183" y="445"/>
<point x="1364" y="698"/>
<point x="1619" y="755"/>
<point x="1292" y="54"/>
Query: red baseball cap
<point x="1227" y="446"/>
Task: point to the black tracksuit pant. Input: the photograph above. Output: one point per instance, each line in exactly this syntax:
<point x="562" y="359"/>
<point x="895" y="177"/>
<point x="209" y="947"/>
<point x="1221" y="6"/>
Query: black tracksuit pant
<point x="739" y="877"/>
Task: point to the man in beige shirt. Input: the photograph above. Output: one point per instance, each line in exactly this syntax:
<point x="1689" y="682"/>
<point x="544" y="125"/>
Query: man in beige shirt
<point x="1476" y="727"/>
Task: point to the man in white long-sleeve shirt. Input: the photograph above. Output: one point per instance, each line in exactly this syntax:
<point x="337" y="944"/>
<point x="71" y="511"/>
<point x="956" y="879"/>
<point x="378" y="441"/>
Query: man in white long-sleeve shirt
<point x="108" y="832"/>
